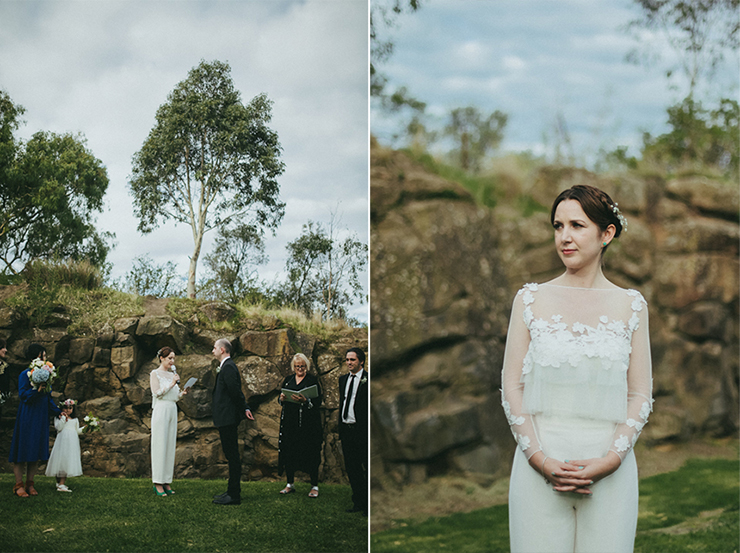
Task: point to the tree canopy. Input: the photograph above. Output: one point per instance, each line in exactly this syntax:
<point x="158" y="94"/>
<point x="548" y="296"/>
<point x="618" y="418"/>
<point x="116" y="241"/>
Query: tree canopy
<point x="383" y="14"/>
<point x="50" y="187"/>
<point x="209" y="159"/>
<point x="324" y="270"/>
<point x="147" y="278"/>
<point x="475" y="134"/>
<point x="700" y="31"/>
<point x="231" y="265"/>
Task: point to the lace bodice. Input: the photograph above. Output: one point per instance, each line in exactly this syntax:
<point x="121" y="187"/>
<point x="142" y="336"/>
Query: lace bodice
<point x="163" y="387"/>
<point x="577" y="352"/>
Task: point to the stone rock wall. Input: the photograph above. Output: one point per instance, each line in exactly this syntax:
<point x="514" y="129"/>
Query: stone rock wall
<point x="444" y="272"/>
<point x="438" y="320"/>
<point x="109" y="375"/>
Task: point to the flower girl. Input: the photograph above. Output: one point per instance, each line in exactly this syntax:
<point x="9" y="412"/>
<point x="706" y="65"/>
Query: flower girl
<point x="65" y="460"/>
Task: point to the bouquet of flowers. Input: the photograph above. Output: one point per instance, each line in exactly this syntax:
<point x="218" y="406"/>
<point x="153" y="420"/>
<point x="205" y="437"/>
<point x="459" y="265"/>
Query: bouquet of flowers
<point x="41" y="373"/>
<point x="93" y="423"/>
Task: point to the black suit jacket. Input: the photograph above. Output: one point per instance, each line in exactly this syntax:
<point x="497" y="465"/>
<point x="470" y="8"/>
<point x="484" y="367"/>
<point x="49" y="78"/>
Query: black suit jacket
<point x="229" y="403"/>
<point x="361" y="400"/>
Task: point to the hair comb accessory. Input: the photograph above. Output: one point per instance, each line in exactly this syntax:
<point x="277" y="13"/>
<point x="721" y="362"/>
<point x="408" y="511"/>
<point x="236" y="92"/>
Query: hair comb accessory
<point x="622" y="218"/>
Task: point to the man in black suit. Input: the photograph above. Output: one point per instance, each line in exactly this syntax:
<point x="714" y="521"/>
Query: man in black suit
<point x="353" y="398"/>
<point x="229" y="409"/>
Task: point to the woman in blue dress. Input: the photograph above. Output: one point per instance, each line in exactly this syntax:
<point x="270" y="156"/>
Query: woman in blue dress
<point x="31" y="433"/>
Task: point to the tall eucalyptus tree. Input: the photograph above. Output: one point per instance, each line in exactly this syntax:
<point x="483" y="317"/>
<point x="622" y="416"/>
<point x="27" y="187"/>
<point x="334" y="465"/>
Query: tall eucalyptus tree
<point x="209" y="160"/>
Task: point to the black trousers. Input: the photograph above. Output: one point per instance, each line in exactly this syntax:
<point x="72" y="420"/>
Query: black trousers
<point x="313" y="474"/>
<point x="230" y="445"/>
<point x="354" y="449"/>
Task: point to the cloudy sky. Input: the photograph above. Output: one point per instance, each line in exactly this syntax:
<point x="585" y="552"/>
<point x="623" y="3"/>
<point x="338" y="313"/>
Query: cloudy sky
<point x="534" y="60"/>
<point x="102" y="68"/>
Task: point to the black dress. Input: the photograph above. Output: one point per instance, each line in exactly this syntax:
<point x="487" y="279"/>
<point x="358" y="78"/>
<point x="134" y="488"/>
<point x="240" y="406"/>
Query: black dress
<point x="301" y="434"/>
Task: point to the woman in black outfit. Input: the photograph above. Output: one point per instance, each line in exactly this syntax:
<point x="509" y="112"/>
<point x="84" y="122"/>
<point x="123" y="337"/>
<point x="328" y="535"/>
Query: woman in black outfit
<point x="301" y="434"/>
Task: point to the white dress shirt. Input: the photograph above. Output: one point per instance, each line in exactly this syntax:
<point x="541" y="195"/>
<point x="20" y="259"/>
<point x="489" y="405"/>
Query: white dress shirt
<point x="350" y="419"/>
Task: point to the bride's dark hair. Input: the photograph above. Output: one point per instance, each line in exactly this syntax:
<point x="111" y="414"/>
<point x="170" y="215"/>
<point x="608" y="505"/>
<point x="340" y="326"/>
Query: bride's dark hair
<point x="596" y="204"/>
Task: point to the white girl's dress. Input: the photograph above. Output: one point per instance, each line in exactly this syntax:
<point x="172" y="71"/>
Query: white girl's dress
<point x="65" y="458"/>
<point x="576" y="384"/>
<point x="165" y="393"/>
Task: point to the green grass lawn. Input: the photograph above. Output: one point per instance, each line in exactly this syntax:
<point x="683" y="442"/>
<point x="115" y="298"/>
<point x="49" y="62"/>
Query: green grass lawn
<point x="112" y="514"/>
<point x="692" y="509"/>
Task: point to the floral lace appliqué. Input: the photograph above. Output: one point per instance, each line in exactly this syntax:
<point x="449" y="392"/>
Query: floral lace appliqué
<point x="645" y="411"/>
<point x="622" y="443"/>
<point x="509" y="417"/>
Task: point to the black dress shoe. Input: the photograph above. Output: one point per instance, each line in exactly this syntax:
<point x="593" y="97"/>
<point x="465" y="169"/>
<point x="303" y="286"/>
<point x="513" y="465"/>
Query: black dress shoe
<point x="226" y="500"/>
<point x="220" y="495"/>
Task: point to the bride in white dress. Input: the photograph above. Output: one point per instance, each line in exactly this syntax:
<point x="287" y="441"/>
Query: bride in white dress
<point x="165" y="394"/>
<point x="577" y="391"/>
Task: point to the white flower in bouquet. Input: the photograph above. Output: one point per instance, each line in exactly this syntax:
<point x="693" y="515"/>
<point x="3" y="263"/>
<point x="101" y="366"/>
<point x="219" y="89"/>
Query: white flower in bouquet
<point x="92" y="423"/>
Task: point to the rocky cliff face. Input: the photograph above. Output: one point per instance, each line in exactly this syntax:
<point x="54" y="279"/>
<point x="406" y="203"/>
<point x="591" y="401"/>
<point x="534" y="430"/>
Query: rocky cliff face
<point x="109" y="375"/>
<point x="444" y="272"/>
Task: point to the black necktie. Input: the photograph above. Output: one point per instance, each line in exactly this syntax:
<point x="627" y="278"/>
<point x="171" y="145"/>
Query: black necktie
<point x="348" y="398"/>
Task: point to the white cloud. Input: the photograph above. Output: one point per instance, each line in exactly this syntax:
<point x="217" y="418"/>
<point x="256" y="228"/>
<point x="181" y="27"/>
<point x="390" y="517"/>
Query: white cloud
<point x="513" y="63"/>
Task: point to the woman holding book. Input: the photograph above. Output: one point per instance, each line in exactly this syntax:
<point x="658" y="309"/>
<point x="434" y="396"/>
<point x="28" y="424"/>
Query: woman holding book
<point x="301" y="434"/>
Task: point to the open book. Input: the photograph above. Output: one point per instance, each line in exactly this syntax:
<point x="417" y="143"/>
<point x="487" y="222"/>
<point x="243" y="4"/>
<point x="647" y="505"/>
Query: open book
<point x="310" y="392"/>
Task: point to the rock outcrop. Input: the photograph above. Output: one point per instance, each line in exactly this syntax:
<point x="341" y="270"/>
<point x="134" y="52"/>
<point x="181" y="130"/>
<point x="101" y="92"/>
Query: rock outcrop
<point x="444" y="272"/>
<point x="438" y="319"/>
<point x="109" y="375"/>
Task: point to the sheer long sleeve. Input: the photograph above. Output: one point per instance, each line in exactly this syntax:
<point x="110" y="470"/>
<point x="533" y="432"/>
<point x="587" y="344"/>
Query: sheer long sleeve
<point x="512" y="393"/>
<point x="639" y="382"/>
<point x="158" y="390"/>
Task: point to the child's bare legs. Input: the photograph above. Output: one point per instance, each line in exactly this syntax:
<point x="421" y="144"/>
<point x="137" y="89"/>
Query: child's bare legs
<point x="61" y="480"/>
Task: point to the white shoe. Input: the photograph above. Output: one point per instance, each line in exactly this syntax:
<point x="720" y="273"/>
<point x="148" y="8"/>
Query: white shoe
<point x="62" y="488"/>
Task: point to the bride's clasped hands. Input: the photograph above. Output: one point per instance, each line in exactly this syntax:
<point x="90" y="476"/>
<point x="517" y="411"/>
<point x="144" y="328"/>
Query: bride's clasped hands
<point x="574" y="475"/>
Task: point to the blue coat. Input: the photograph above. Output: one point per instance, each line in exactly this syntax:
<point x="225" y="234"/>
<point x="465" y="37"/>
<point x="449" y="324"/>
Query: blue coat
<point x="31" y="434"/>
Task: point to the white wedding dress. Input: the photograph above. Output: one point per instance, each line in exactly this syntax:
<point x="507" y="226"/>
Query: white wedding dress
<point x="577" y="384"/>
<point x="165" y="393"/>
<point x="65" y="459"/>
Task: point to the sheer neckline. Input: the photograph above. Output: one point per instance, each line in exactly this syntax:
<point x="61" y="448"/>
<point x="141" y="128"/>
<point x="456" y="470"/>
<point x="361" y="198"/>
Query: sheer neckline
<point x="615" y="289"/>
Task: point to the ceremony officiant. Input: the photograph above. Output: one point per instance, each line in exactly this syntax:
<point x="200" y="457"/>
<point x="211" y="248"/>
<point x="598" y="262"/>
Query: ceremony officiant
<point x="301" y="434"/>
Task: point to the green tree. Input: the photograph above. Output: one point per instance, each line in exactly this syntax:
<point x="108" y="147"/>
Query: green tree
<point x="339" y="275"/>
<point x="9" y="123"/>
<point x="475" y="134"/>
<point x="699" y="31"/>
<point x="147" y="278"/>
<point x="232" y="263"/>
<point x="707" y="138"/>
<point x="324" y="270"/>
<point x="383" y="14"/>
<point x="209" y="159"/>
<point x="50" y="187"/>
<point x="305" y="254"/>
